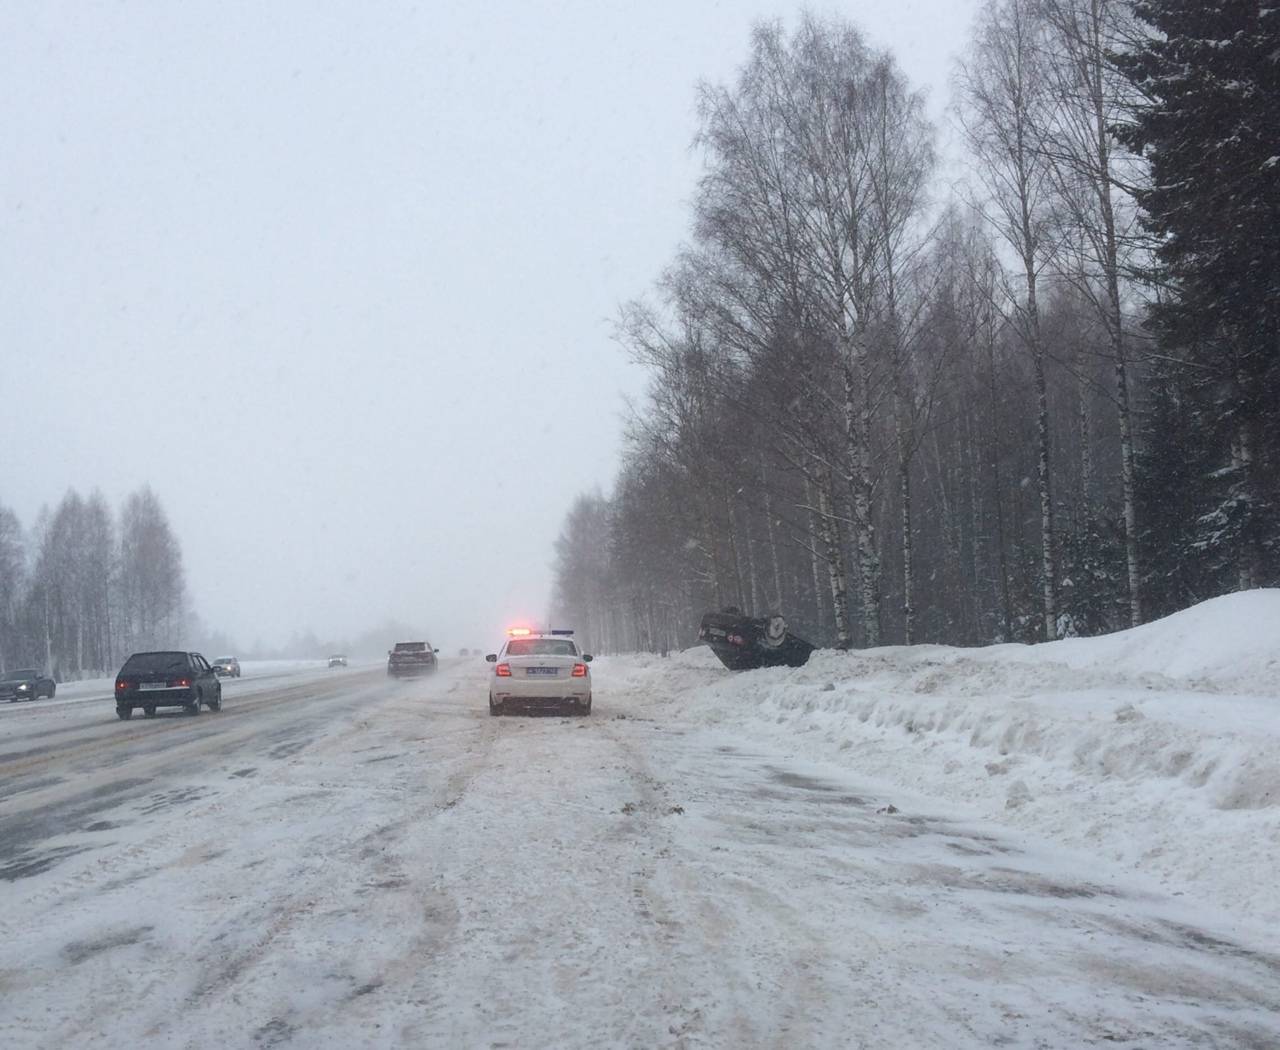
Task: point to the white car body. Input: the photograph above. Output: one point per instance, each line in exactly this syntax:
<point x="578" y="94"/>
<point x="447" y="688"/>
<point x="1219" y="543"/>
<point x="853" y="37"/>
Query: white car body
<point x="540" y="671"/>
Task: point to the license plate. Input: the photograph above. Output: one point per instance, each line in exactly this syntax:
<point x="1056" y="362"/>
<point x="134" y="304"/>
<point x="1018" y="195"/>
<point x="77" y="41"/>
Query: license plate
<point x="542" y="670"/>
<point x="154" y="685"/>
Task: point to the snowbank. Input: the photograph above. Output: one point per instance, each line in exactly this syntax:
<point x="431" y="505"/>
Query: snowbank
<point x="1157" y="747"/>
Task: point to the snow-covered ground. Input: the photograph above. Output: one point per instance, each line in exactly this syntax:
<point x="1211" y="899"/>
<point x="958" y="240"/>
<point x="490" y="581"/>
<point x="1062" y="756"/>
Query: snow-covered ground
<point x="1156" y="749"/>
<point x="834" y="856"/>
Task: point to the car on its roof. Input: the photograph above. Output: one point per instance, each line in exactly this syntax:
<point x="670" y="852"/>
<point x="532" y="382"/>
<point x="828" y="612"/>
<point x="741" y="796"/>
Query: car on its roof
<point x="26" y="683"/>
<point x="744" y="643"/>
<point x="540" y="670"/>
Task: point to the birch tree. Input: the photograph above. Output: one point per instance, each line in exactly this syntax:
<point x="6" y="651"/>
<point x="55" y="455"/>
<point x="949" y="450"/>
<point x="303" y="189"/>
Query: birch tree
<point x="1001" y="87"/>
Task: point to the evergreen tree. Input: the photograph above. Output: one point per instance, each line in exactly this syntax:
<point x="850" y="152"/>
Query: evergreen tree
<point x="1211" y="133"/>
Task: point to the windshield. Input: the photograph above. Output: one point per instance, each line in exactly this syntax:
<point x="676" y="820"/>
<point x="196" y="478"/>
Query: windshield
<point x="225" y="660"/>
<point x="541" y="647"/>
<point x="19" y="676"/>
<point x="156" y="662"/>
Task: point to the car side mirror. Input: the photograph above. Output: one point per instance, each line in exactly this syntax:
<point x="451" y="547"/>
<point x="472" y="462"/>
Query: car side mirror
<point x="435" y="650"/>
<point x="586" y="658"/>
<point x="492" y="658"/>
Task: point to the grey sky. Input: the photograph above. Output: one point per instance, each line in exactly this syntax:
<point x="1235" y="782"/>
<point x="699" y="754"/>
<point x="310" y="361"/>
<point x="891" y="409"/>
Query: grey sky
<point x="338" y="279"/>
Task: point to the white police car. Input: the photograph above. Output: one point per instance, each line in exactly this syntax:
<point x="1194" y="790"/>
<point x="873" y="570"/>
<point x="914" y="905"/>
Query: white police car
<point x="540" y="671"/>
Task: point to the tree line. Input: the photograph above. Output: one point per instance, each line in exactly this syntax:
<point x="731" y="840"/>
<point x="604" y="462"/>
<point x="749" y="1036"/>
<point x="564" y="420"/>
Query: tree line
<point x="1039" y="400"/>
<point x="86" y="587"/>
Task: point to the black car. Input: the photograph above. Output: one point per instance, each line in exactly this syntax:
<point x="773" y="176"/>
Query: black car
<point x="166" y="679"/>
<point x="744" y="643"/>
<point x="410" y="658"/>
<point x="26" y="684"/>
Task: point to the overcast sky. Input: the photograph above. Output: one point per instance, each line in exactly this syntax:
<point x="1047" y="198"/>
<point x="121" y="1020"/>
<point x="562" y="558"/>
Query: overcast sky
<point x="338" y="279"/>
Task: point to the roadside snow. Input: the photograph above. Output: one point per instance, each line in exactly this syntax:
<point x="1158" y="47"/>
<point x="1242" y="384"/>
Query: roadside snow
<point x="1157" y="748"/>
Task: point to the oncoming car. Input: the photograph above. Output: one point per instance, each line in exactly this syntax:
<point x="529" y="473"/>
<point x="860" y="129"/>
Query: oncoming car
<point x="226" y="667"/>
<point x="540" y="671"/>
<point x="26" y="685"/>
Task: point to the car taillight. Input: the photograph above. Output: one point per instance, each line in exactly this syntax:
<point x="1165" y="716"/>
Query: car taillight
<point x="182" y="683"/>
<point x="121" y="684"/>
<point x="503" y="670"/>
<point x="579" y="671"/>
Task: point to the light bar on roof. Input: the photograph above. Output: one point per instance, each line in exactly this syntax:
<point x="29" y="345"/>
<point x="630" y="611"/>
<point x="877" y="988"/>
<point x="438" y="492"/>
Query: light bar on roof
<point x="563" y="631"/>
<point x="519" y="632"/>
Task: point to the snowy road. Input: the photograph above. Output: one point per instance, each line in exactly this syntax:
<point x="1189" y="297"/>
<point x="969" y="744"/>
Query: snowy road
<point x="344" y="861"/>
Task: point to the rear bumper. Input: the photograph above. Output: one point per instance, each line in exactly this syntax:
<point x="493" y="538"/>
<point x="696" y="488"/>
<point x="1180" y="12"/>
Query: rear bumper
<point x="159" y="698"/>
<point x="540" y="703"/>
<point x="540" y="692"/>
<point x="409" y="670"/>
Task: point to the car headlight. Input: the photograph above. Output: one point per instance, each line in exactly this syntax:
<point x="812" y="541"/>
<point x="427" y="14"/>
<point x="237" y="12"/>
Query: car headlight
<point x="24" y="687"/>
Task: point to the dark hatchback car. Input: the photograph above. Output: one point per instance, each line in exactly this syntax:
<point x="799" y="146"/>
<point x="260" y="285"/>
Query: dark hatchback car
<point x="27" y="684"/>
<point x="166" y="679"/>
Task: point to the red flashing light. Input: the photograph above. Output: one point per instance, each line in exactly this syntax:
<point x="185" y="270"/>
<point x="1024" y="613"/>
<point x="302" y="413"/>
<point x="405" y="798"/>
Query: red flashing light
<point x="503" y="670"/>
<point x="579" y="671"/>
<point x="519" y="632"/>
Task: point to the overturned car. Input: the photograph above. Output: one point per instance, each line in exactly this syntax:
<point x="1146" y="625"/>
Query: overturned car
<point x="745" y="642"/>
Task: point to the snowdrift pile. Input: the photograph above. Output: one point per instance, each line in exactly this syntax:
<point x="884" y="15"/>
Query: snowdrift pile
<point x="1157" y="747"/>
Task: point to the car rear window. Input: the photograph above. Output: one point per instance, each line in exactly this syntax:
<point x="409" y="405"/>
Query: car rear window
<point x="541" y="647"/>
<point x="411" y="647"/>
<point x="156" y="662"/>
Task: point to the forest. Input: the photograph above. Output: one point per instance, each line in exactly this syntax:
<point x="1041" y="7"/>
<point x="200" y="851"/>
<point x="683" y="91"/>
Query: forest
<point x="87" y="587"/>
<point x="1023" y="393"/>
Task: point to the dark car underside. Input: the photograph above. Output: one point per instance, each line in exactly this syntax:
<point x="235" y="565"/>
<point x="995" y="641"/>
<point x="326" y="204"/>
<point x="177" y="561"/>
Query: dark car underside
<point x="744" y="643"/>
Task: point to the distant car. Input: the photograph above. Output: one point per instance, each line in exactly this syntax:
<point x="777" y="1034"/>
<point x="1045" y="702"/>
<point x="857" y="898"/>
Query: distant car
<point x="744" y="643"/>
<point x="337" y="660"/>
<point x="166" y="679"/>
<point x="540" y="671"/>
<point x="411" y="658"/>
<point x="26" y="684"/>
<point x="226" y="667"/>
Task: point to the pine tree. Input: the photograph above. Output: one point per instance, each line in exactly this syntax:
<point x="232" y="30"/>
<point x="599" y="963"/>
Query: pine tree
<point x="1211" y="133"/>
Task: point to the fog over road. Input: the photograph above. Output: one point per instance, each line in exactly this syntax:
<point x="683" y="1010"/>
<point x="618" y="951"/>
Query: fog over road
<point x="340" y="860"/>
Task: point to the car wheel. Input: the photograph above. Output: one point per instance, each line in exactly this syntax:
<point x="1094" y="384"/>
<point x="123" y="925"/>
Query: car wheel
<point x="217" y="702"/>
<point x="495" y="709"/>
<point x="194" y="708"/>
<point x="149" y="710"/>
<point x="586" y="708"/>
<point x="124" y="713"/>
<point x="53" y="689"/>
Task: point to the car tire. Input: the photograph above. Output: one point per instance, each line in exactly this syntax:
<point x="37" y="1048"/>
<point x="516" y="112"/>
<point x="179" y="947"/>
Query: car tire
<point x="124" y="713"/>
<point x="495" y="709"/>
<point x="53" y="689"/>
<point x="217" y="703"/>
<point x="149" y="710"/>
<point x="194" y="708"/>
<point x="586" y="708"/>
